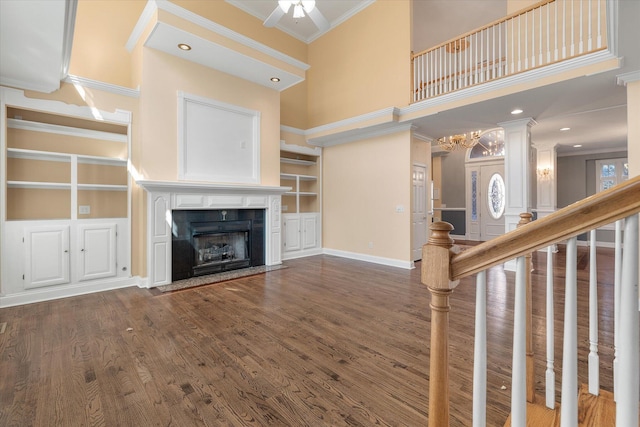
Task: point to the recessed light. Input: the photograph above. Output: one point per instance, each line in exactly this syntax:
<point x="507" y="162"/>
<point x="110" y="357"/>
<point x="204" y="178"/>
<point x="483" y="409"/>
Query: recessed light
<point x="516" y="111"/>
<point x="275" y="79"/>
<point x="577" y="146"/>
<point x="564" y="129"/>
<point x="184" y="46"/>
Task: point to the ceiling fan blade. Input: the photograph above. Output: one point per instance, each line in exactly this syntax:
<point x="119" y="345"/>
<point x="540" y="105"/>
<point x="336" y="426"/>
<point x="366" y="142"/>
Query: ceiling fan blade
<point x="318" y="18"/>
<point x="275" y="16"/>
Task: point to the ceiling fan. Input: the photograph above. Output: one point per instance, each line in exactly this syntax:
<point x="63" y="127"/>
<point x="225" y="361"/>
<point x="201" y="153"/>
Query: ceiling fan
<point x="299" y="9"/>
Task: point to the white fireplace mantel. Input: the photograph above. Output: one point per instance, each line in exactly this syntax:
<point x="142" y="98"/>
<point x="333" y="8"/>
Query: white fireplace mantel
<point x="165" y="196"/>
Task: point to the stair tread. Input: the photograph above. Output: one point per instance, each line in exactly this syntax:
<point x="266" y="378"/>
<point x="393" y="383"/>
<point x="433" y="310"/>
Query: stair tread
<point x="593" y="411"/>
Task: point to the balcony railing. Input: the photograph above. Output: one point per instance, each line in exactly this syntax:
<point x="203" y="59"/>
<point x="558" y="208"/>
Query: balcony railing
<point x="547" y="32"/>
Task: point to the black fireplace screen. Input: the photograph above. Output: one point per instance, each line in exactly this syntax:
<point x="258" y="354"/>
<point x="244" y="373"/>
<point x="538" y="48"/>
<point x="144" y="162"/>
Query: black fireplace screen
<point x="212" y="241"/>
<point x="221" y="248"/>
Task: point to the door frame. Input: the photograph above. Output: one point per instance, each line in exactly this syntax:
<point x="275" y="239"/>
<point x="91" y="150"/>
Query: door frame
<point x="473" y="226"/>
<point x="427" y="207"/>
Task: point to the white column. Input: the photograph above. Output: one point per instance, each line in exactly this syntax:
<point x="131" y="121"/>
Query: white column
<point x="518" y="172"/>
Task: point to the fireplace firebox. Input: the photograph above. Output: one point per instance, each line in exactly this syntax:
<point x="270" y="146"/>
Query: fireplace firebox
<point x="213" y="241"/>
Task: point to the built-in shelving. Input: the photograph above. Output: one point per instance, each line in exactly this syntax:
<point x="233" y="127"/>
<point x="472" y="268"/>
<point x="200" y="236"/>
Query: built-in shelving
<point x="300" y="169"/>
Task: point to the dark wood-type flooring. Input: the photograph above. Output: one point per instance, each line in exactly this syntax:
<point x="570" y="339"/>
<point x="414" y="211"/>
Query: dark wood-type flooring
<point x="325" y="342"/>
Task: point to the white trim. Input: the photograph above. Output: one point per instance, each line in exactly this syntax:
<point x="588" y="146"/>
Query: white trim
<point x="301" y="253"/>
<point x="360" y="133"/>
<point x="15" y="98"/>
<point x="105" y="87"/>
<point x="293" y="130"/>
<point x="66" y="130"/>
<point x="57" y="292"/>
<point x="71" y="7"/>
<point x="626" y="78"/>
<point x="299" y="149"/>
<point x="153" y="5"/>
<point x="595" y="151"/>
<point x="408" y="265"/>
<point x="385" y="112"/>
<point x="212" y="172"/>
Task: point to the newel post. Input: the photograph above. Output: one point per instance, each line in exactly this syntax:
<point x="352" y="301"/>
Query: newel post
<point x="435" y="274"/>
<point x="525" y="218"/>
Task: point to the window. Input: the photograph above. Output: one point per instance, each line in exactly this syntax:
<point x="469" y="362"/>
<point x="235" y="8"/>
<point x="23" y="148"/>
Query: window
<point x="495" y="196"/>
<point x="610" y="172"/>
<point x="490" y="144"/>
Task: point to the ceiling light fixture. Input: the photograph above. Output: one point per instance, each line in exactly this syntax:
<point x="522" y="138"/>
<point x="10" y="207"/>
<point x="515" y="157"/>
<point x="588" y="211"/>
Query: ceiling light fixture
<point x="516" y="111"/>
<point x="577" y="146"/>
<point x="184" y="46"/>
<point x="463" y="140"/>
<point x="299" y="7"/>
<point x="275" y="79"/>
<point x="564" y="129"/>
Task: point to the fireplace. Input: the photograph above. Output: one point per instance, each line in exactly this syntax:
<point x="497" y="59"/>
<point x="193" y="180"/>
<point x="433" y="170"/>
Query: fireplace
<point x="213" y="241"/>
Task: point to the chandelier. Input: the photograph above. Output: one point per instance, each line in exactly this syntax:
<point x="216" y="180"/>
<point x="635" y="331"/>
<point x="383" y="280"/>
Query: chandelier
<point x="463" y="140"/>
<point x="299" y="6"/>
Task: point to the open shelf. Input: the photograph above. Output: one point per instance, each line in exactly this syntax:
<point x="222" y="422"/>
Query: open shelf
<point x="297" y="161"/>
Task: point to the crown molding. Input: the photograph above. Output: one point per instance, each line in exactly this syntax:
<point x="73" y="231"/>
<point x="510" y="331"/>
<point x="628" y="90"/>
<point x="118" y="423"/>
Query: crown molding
<point x="626" y="78"/>
<point x="16" y="98"/>
<point x="386" y="112"/>
<point x="105" y="87"/>
<point x="361" y="133"/>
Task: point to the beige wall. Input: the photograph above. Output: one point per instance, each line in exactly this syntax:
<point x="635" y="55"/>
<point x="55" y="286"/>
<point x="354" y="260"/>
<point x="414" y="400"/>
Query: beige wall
<point x="163" y="76"/>
<point x="363" y="183"/>
<point x="101" y="31"/>
<point x="363" y="65"/>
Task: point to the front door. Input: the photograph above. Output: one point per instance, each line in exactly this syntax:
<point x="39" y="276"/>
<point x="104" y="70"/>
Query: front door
<point x="492" y="201"/>
<point x="419" y="210"/>
<point x="486" y="199"/>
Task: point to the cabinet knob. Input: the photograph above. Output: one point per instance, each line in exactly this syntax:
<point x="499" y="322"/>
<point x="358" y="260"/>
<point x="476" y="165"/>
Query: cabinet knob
<point x="82" y="250"/>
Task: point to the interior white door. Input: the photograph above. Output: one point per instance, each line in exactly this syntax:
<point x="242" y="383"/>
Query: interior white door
<point x="491" y="200"/>
<point x="419" y="210"/>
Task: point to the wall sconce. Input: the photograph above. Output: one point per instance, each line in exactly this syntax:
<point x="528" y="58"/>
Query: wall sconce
<point x="544" y="174"/>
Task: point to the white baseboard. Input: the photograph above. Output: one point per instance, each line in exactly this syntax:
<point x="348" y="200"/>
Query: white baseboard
<point x="301" y="254"/>
<point x="65" y="291"/>
<point x="408" y="265"/>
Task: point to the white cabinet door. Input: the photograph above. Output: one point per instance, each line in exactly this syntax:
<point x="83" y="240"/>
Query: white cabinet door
<point x="96" y="251"/>
<point x="47" y="256"/>
<point x="291" y="230"/>
<point x="309" y="231"/>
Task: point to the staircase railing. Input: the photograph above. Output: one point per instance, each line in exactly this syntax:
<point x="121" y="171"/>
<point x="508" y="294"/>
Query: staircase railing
<point x="547" y="32"/>
<point x="442" y="269"/>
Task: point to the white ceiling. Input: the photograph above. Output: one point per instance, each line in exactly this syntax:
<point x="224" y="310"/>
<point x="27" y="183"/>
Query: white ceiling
<point x="32" y="56"/>
<point x="335" y="11"/>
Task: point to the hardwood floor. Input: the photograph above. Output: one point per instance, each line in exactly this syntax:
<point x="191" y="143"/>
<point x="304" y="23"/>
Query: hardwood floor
<point x="325" y="342"/>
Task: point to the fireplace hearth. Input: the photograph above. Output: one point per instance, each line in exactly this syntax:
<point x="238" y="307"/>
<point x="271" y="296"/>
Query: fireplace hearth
<point x="214" y="241"/>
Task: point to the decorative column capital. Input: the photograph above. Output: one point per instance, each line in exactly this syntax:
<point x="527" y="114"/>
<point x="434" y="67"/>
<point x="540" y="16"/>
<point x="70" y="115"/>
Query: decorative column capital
<point x="527" y="121"/>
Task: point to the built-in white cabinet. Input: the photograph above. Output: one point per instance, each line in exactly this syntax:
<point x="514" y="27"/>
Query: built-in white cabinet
<point x="96" y="251"/>
<point x="300" y="169"/>
<point x="301" y="234"/>
<point x="66" y="195"/>
<point x="51" y="257"/>
<point x="46" y="256"/>
<point x="292" y="229"/>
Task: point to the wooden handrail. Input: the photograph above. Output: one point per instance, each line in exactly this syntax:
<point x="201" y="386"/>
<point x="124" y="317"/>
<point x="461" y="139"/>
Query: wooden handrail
<point x="600" y="209"/>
